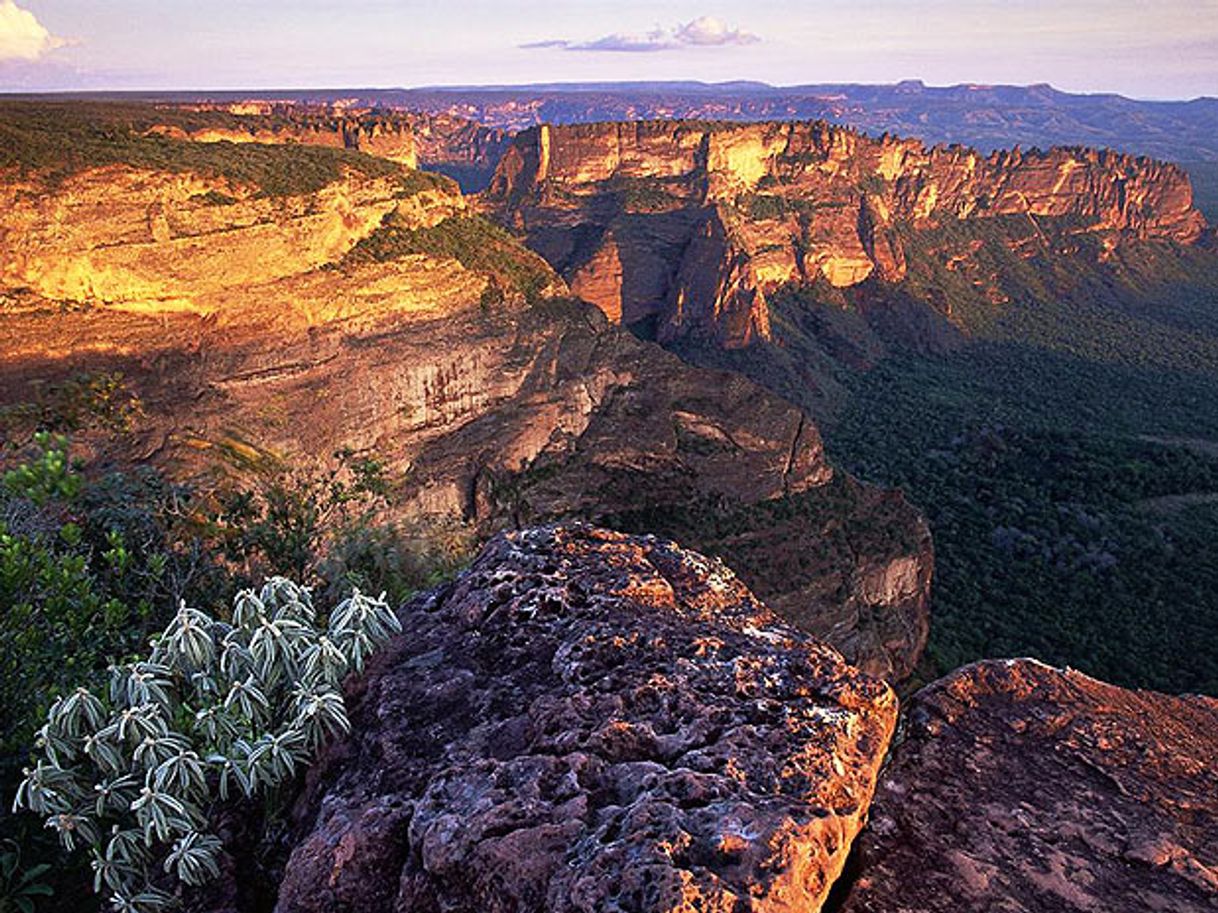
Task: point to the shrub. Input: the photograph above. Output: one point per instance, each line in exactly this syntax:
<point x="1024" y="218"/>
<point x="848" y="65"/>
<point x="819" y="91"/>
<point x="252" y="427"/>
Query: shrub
<point x="473" y="241"/>
<point x="20" y="885"/>
<point x="217" y="710"/>
<point x="287" y="517"/>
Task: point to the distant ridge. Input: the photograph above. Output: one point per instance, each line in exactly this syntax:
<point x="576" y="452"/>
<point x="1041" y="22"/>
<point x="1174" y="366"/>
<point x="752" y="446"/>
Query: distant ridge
<point x="984" y="116"/>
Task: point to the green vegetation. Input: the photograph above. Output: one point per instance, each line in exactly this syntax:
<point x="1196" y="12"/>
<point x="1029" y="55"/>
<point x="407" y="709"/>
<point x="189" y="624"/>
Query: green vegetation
<point x="763" y="206"/>
<point x="803" y="536"/>
<point x="473" y="241"/>
<point x="94" y="562"/>
<point x="1066" y="456"/>
<point x="220" y="708"/>
<point x="647" y="194"/>
<point x="58" y="139"/>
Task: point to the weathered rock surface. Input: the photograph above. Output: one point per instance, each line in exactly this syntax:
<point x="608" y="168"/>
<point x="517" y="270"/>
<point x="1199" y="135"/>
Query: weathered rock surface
<point x="739" y="210"/>
<point x="468" y="151"/>
<point x="246" y="329"/>
<point x="587" y="721"/>
<point x="1020" y="787"/>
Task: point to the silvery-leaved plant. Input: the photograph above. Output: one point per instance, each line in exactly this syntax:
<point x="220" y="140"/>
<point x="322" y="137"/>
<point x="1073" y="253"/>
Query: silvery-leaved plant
<point x="216" y="711"/>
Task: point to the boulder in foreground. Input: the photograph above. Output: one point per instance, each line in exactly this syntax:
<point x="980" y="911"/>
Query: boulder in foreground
<point x="589" y="721"/>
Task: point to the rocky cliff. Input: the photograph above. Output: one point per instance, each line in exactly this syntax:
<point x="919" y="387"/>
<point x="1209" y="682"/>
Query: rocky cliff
<point x="385" y="137"/>
<point x="377" y="314"/>
<point x="466" y="150"/>
<point x="588" y="721"/>
<point x="691" y="224"/>
<point x="1025" y="788"/>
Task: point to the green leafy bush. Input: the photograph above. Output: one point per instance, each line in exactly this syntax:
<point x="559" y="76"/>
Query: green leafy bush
<point x="476" y="243"/>
<point x="19" y="885"/>
<point x="82" y="563"/>
<point x="217" y="710"/>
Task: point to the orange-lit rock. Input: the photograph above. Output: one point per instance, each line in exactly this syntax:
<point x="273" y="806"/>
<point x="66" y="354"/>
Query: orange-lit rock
<point x="792" y="202"/>
<point x="244" y="326"/>
<point x="156" y="241"/>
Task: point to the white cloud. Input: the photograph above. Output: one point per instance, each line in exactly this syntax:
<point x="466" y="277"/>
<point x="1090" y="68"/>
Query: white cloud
<point x="704" y="32"/>
<point x="22" y="36"/>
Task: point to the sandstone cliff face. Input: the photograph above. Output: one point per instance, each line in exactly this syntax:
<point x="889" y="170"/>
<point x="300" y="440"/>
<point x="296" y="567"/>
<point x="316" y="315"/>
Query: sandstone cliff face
<point x="1021" y="787"/>
<point x="588" y="721"/>
<point x="485" y="415"/>
<point x="793" y="202"/>
<point x="151" y="240"/>
<point x="385" y="137"/>
<point x="467" y="150"/>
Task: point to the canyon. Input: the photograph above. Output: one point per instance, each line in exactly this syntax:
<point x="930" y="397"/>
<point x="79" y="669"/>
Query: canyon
<point x="668" y="680"/>
<point x="276" y="330"/>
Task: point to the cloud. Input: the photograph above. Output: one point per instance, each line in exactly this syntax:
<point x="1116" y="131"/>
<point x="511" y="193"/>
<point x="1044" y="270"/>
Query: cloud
<point x="703" y="32"/>
<point x="22" y="36"/>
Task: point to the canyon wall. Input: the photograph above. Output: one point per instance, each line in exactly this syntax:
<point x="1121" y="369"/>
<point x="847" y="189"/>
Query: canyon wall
<point x="692" y="224"/>
<point x="467" y="150"/>
<point x="279" y="329"/>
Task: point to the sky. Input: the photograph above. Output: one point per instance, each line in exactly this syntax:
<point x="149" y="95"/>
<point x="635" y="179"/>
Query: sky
<point x="1139" y="48"/>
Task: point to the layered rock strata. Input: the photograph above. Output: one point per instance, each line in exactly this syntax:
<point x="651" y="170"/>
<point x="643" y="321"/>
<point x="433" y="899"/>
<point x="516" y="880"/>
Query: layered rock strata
<point x="486" y="410"/>
<point x="691" y="224"/>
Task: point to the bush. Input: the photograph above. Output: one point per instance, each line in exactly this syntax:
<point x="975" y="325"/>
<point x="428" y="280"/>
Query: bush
<point x="217" y="710"/>
<point x="473" y="241"/>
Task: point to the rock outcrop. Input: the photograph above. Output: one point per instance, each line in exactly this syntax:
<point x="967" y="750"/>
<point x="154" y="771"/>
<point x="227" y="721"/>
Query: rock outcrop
<point x="466" y="150"/>
<point x="586" y="721"/>
<point x="1025" y="788"/>
<point x="700" y="221"/>
<point x="160" y="241"/>
<point x="249" y="329"/>
<point x="389" y="136"/>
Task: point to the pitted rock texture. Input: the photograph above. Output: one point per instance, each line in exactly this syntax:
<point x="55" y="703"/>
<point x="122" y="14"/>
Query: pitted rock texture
<point x="587" y="721"/>
<point x="1025" y="788"/>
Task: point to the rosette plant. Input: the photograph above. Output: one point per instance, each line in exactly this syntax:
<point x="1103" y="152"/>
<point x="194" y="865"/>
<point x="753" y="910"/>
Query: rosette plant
<point x="217" y="710"/>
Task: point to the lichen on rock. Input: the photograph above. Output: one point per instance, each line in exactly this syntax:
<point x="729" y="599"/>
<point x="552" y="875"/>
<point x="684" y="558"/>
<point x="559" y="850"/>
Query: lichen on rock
<point x="589" y="721"/>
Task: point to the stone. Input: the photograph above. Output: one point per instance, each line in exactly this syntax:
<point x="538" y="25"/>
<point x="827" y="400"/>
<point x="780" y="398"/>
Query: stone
<point x="589" y="721"/>
<point x="1024" y="788"/>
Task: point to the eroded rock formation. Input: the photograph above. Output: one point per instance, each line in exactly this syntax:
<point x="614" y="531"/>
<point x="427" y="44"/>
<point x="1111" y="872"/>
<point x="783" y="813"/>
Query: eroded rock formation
<point x="467" y="150"/>
<point x="587" y="721"/>
<point x="247" y="327"/>
<point x="1025" y="788"/>
<point x="690" y="224"/>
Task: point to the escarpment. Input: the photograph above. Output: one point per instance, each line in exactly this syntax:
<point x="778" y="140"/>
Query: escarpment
<point x="463" y="149"/>
<point x="690" y="225"/>
<point x="378" y="314"/>
<point x="589" y="721"/>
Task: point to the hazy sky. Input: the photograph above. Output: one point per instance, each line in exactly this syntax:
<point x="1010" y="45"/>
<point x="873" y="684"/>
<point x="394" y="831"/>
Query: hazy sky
<point x="1146" y="49"/>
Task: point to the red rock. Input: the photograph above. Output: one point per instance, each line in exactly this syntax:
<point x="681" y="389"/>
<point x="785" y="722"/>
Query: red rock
<point x="744" y="209"/>
<point x="1019" y="787"/>
<point x="587" y="721"/>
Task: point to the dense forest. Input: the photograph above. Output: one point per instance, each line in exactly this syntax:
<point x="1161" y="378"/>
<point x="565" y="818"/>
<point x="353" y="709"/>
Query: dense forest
<point x="1067" y="458"/>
